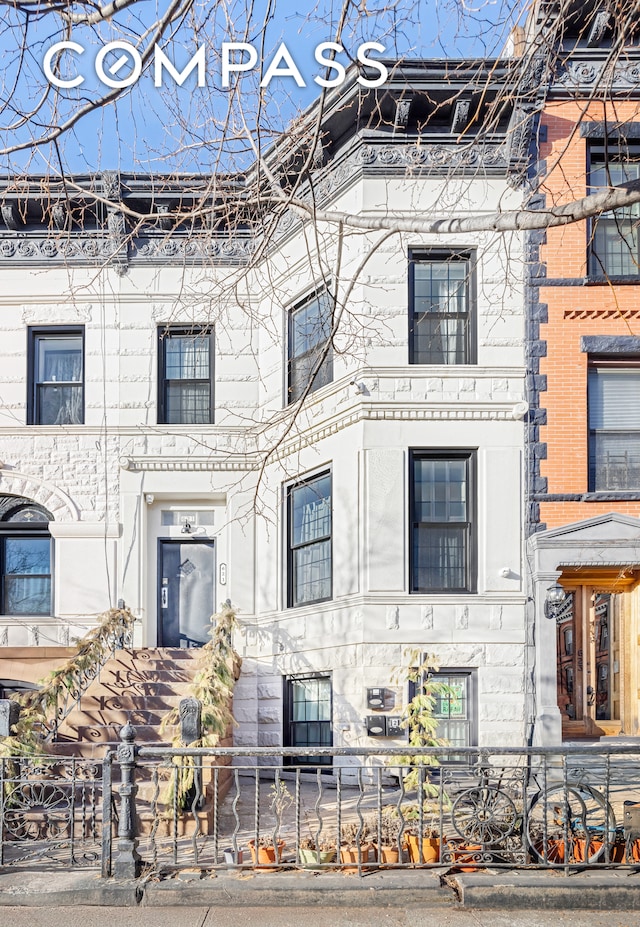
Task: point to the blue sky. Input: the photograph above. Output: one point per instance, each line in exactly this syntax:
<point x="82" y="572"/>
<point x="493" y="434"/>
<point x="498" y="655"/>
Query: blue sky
<point x="174" y="128"/>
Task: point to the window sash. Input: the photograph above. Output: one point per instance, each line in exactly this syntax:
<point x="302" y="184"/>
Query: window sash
<point x="26" y="586"/>
<point x="439" y="318"/>
<point x="185" y="378"/>
<point x="614" y="428"/>
<point x="442" y="538"/>
<point x="310" y="328"/>
<point x="614" y="246"/>
<point x="309" y="541"/>
<point x="56" y="377"/>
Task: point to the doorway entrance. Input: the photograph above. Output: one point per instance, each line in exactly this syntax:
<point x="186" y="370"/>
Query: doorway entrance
<point x="594" y="644"/>
<point x="186" y="592"/>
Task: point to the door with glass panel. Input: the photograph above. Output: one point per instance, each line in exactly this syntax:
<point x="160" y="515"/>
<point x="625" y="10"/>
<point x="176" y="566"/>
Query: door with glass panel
<point x="308" y="709"/>
<point x="589" y="662"/>
<point x="186" y="593"/>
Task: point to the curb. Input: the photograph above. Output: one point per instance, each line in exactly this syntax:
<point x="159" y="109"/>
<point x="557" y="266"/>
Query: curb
<point x="611" y="890"/>
<point x="302" y="888"/>
<point x="49" y="889"/>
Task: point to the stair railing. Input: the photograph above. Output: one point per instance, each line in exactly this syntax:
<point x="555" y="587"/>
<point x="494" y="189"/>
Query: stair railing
<point x="63" y="689"/>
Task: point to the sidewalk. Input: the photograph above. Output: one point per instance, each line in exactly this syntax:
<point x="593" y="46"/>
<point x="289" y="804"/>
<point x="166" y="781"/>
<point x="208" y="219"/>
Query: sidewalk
<point x="594" y="890"/>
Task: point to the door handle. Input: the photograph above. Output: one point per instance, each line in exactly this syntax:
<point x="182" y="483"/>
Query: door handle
<point x="164" y="593"/>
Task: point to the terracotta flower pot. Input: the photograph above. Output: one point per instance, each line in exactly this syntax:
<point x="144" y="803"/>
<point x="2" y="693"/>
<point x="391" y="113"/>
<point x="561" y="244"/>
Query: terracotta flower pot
<point x="350" y="855"/>
<point x="430" y="849"/>
<point x="388" y="856"/>
<point x="464" y="854"/>
<point x="580" y="853"/>
<point x="555" y="850"/>
<point x="265" y="856"/>
<point x="311" y="859"/>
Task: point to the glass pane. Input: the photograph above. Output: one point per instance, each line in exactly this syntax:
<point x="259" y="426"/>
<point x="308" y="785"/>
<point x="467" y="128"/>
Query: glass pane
<point x="187" y="403"/>
<point x="59" y="359"/>
<point x="27" y="595"/>
<point x="439" y="557"/>
<point x="186" y="357"/>
<point x="59" y="405"/>
<point x="27" y="555"/>
<point x="311" y="510"/>
<point x="614" y="460"/>
<point x="301" y="369"/>
<point x="439" y="340"/>
<point x="312" y="573"/>
<point x="440" y="492"/>
<point x="615" y="241"/>
<point x="310" y="325"/>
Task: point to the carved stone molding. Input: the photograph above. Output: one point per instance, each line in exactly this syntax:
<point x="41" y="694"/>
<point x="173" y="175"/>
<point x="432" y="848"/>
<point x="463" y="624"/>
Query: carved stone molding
<point x="53" y="499"/>
<point x="53" y="312"/>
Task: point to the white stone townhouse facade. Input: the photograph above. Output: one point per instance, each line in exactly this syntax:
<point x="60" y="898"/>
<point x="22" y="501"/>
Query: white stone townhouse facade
<point x="157" y="447"/>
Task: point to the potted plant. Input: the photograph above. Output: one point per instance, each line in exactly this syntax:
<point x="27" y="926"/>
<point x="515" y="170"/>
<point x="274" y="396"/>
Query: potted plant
<point x="388" y="830"/>
<point x="316" y="854"/>
<point x="268" y="849"/>
<point x="355" y="846"/>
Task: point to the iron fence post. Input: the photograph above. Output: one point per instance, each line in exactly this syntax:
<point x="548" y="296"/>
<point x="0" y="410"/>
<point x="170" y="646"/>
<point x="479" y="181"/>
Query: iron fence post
<point x="127" y="862"/>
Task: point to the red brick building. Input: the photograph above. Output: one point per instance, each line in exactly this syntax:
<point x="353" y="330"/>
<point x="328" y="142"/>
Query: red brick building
<point x="584" y="381"/>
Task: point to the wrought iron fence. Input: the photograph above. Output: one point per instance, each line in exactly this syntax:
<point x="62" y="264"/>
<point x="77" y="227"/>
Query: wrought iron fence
<point x="240" y="807"/>
<point x="467" y="808"/>
<point x="50" y="811"/>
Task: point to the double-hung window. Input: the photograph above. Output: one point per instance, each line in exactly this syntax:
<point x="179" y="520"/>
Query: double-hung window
<point x="310" y="358"/>
<point x="307" y="713"/>
<point x="185" y="380"/>
<point x="614" y="423"/>
<point x="442" y="529"/>
<point x="25" y="558"/>
<point x="309" y="541"/>
<point x="615" y="235"/>
<point x="440" y="294"/>
<point x="56" y="376"/>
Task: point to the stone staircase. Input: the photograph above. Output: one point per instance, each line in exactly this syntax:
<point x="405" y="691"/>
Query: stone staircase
<point x="139" y="686"/>
<point x="134" y="685"/>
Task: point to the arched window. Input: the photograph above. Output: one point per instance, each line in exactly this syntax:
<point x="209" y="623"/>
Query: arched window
<point x="25" y="557"/>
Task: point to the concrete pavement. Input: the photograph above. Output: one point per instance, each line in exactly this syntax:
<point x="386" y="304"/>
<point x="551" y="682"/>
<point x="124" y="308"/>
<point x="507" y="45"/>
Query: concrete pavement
<point x="612" y="890"/>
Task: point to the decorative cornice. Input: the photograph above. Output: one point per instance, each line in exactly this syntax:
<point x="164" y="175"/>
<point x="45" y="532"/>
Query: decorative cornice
<point x="136" y="463"/>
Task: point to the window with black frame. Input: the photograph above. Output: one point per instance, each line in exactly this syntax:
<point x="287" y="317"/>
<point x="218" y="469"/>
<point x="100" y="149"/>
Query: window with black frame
<point x="614" y="236"/>
<point x="442" y="530"/>
<point x="185" y="377"/>
<point x="25" y="557"/>
<point x="439" y="308"/>
<point x="309" y="541"/>
<point x="56" y="376"/>
<point x="310" y="354"/>
<point x="308" y="710"/>
<point x="614" y="423"/>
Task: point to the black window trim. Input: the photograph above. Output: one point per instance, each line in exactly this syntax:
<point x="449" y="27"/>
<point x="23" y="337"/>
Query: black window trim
<point x="326" y="765"/>
<point x="289" y="490"/>
<point x="604" y="361"/>
<point x="291" y="311"/>
<point x="470" y="255"/>
<point x="470" y="455"/>
<point x="471" y="672"/>
<point x="61" y="331"/>
<point x="23" y="530"/>
<point x="196" y="331"/>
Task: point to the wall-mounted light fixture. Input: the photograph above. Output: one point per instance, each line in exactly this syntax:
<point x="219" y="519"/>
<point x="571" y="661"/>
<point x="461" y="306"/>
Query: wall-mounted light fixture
<point x="554" y="600"/>
<point x="186" y="528"/>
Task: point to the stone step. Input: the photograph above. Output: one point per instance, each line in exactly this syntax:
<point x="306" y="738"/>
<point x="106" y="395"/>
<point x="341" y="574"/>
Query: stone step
<point x="128" y="702"/>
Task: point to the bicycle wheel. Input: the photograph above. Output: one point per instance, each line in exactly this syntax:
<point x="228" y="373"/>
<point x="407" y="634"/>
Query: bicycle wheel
<point x="571" y="824"/>
<point x="484" y="814"/>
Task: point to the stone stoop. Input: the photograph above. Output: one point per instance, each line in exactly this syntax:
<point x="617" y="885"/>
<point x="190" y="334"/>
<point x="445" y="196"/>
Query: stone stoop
<point x="139" y="686"/>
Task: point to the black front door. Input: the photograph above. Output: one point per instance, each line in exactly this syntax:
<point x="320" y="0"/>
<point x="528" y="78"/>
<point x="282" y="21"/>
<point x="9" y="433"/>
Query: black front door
<point x="186" y="592"/>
